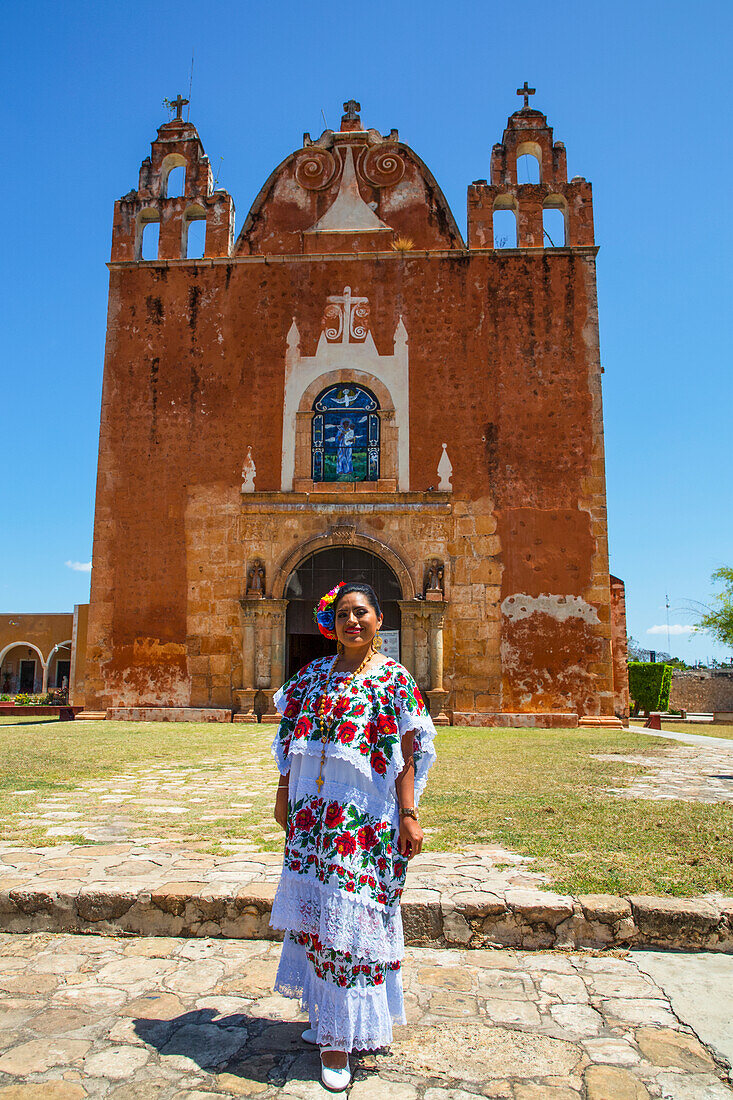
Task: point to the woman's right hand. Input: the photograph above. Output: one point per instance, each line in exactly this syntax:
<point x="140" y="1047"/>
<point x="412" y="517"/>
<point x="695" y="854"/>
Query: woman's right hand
<point x="281" y="808"/>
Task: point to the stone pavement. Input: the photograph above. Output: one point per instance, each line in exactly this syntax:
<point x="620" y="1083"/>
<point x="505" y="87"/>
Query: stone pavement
<point x="699" y="769"/>
<point x="158" y="1019"/>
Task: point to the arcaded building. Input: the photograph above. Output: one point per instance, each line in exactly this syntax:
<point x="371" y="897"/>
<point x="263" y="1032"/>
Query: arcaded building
<point x="348" y="388"/>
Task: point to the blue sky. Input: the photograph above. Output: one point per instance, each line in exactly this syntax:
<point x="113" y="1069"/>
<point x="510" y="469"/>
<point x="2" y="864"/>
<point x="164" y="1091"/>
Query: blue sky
<point x="638" y="92"/>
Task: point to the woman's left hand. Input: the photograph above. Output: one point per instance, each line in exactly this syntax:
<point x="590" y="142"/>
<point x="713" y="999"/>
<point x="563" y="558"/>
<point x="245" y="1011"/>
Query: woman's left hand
<point x="411" y="837"/>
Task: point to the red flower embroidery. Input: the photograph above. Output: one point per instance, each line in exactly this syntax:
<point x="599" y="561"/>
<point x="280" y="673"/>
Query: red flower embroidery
<point x="379" y="763"/>
<point x="292" y="709"/>
<point x="303" y="727"/>
<point x="341" y="708"/>
<point x="378" y="978"/>
<point x="371" y="733"/>
<point x="347" y="732"/>
<point x="367" y="838"/>
<point x="387" y="725"/>
<point x="305" y="820"/>
<point x="334" y="815"/>
<point x="382" y="864"/>
<point x="345" y="844"/>
<point x="350" y="887"/>
<point x="295" y="865"/>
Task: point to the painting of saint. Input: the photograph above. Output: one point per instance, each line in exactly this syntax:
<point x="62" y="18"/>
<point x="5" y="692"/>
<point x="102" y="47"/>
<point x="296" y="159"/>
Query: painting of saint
<point x="345" y="442"/>
<point x="345" y="435"/>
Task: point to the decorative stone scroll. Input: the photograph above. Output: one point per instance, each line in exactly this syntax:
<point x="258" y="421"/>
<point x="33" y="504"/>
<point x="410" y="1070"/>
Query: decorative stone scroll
<point x="346" y="318"/>
<point x="316" y="169"/>
<point x="382" y="167"/>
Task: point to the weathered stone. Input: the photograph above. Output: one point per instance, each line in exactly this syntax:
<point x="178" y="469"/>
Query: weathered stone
<point x="615" y="1051"/>
<point x="375" y="1090"/>
<point x="700" y="1086"/>
<point x="639" y="1011"/>
<point x="674" y="920"/>
<point x="56" y="1021"/>
<point x="116" y="1062"/>
<point x="172" y="897"/>
<point x="474" y="1052"/>
<point x="540" y="907"/>
<point x="544" y="1092"/>
<point x="234" y="1085"/>
<point x="478" y="903"/>
<point x="422" y="924"/>
<point x="580" y="1019"/>
<point x="512" y="1012"/>
<point x="40" y="1054"/>
<point x="446" y="977"/>
<point x="605" y="908"/>
<point x="664" y="1047"/>
<point x="154" y="1006"/>
<point x="613" y="1083"/>
<point x="210" y="1047"/>
<point x="44" y="1090"/>
<point x="456" y="928"/>
<point x="94" y="904"/>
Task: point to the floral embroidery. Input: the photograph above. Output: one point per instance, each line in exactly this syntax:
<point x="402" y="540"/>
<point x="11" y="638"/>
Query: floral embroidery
<point x="341" y="967"/>
<point x="345" y="846"/>
<point x="363" y="716"/>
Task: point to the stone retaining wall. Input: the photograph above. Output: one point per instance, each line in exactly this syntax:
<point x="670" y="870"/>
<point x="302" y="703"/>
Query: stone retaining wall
<point x="528" y="919"/>
<point x="701" y="691"/>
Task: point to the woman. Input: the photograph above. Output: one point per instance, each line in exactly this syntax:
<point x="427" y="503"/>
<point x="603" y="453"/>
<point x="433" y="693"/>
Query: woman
<point x="353" y="748"/>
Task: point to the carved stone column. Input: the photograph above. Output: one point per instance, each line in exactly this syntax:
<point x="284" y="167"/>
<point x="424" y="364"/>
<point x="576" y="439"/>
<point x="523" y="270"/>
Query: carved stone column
<point x="437" y="694"/>
<point x="246" y="694"/>
<point x="408" y="612"/>
<point x="274" y="610"/>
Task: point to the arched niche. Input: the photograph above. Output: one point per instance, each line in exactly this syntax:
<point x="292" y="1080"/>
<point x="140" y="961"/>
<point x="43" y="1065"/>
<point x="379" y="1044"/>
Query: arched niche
<point x="388" y="426"/>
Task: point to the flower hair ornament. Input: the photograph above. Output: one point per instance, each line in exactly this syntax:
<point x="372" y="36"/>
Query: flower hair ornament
<point x="324" y="615"/>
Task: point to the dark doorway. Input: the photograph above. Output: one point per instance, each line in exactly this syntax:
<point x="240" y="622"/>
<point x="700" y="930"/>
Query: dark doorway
<point x="27" y="675"/>
<point x="314" y="577"/>
<point x="63" y="669"/>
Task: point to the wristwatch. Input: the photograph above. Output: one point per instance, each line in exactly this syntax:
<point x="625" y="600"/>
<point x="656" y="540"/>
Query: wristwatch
<point x="409" y="812"/>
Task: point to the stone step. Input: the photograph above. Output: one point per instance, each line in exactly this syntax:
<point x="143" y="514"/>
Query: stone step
<point x="521" y="918"/>
<point x="601" y="721"/>
<point x="92" y="715"/>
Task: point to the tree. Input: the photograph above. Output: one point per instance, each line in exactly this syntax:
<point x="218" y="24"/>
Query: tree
<point x="717" y="618"/>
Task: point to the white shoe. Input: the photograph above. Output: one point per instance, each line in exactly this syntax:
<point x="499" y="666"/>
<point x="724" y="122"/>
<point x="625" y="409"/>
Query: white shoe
<point x="309" y="1036"/>
<point x="335" y="1079"/>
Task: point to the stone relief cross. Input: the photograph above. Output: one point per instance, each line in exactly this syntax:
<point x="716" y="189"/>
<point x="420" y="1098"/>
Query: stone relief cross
<point x="526" y="91"/>
<point x="352" y="317"/>
<point x="179" y="103"/>
<point x="351" y="110"/>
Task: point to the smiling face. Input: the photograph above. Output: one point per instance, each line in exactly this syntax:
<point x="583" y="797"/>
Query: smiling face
<point x="356" y="620"/>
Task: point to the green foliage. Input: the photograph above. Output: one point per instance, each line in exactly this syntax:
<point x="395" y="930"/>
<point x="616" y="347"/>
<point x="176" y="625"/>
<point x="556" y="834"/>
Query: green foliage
<point x="718" y="618"/>
<point x="649" y="684"/>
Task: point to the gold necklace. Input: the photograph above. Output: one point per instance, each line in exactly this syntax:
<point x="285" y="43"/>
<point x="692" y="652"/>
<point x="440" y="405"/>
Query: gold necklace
<point x="322" y="708"/>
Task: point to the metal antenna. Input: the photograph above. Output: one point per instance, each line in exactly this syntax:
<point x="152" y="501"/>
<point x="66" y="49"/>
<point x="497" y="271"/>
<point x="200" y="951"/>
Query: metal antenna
<point x="324" y="119"/>
<point x="669" y="643"/>
<point x="190" y="86"/>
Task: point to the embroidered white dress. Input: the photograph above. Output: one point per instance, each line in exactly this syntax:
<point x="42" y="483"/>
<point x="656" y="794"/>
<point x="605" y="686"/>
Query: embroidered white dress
<point x="339" y="893"/>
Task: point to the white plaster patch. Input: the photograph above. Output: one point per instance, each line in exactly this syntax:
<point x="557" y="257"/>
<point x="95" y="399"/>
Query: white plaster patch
<point x="518" y="606"/>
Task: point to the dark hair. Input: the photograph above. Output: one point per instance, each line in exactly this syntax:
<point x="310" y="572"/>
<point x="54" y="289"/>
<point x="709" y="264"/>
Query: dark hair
<point x="363" y="589"/>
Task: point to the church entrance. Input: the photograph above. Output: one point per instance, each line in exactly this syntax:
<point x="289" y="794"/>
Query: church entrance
<point x="317" y="575"/>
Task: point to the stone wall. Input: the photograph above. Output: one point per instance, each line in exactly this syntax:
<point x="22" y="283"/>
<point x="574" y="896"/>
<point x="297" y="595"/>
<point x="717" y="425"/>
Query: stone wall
<point x="619" y="648"/>
<point x="701" y="691"/>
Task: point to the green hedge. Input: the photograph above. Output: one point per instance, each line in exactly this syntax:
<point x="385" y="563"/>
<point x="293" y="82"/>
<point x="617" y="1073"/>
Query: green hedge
<point x="649" y="684"/>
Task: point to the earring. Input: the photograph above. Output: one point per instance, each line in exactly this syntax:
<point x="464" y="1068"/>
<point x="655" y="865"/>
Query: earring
<point x="377" y="642"/>
<point x="340" y="648"/>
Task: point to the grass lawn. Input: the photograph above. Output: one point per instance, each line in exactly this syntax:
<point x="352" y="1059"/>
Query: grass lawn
<point x="701" y="729"/>
<point x="538" y="792"/>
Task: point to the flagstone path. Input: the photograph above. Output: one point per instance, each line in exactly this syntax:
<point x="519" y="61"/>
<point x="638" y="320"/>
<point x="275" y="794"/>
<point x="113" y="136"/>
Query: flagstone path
<point x="158" y="1019"/>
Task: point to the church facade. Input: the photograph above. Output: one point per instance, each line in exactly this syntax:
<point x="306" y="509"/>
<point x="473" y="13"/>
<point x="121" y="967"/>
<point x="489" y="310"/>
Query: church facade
<point x="349" y="390"/>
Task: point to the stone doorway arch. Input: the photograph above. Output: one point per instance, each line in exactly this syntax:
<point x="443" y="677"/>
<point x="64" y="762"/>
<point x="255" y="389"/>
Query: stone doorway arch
<point x="316" y="573"/>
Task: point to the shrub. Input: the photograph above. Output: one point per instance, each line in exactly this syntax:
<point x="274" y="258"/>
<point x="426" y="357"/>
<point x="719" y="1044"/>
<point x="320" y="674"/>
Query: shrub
<point x="649" y="684"/>
<point x="5" y="698"/>
<point x="22" y="699"/>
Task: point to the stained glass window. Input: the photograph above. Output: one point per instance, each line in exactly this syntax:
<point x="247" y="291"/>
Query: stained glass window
<point x="345" y="434"/>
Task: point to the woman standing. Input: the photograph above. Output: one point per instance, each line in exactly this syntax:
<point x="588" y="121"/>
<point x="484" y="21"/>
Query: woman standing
<point x="353" y="748"/>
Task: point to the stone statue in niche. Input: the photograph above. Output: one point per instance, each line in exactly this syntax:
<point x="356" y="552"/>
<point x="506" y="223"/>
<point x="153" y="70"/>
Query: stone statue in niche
<point x="434" y="587"/>
<point x="256" y="580"/>
<point x="445" y="470"/>
<point x="249" y="470"/>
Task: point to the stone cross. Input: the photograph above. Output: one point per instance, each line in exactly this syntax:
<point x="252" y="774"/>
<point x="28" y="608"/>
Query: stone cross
<point x="351" y="110"/>
<point x="526" y="91"/>
<point x="179" y="103"/>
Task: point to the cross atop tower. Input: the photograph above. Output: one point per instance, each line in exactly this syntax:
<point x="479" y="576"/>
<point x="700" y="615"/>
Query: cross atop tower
<point x="526" y="91"/>
<point x="179" y="103"/>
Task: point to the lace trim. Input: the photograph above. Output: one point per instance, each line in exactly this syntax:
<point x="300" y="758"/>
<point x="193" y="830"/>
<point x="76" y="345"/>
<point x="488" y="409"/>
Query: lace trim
<point x="341" y="921"/>
<point x="357" y="1018"/>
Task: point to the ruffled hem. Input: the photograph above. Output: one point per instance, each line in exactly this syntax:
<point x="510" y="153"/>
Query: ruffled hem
<point x="360" y="1017"/>
<point x="341" y="921"/>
